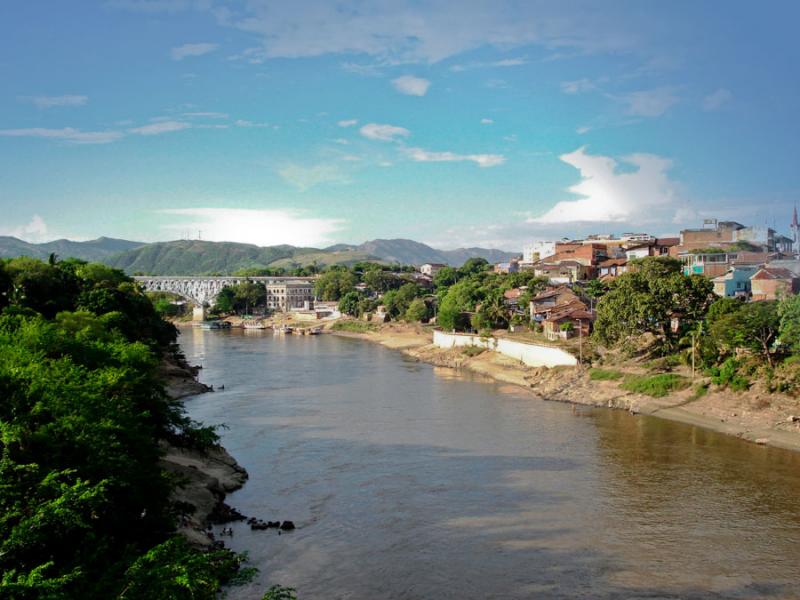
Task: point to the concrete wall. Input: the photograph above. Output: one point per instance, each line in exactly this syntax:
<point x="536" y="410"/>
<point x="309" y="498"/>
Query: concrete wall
<point x="532" y="355"/>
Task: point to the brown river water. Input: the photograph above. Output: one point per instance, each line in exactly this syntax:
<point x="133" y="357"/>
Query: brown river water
<point x="412" y="482"/>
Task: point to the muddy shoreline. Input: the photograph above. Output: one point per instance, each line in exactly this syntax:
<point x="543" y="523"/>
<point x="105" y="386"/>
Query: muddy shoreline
<point x="207" y="476"/>
<point x="756" y="416"/>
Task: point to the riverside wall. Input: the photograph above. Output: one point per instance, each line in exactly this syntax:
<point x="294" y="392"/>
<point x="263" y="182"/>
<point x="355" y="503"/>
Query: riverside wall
<point x="533" y="355"/>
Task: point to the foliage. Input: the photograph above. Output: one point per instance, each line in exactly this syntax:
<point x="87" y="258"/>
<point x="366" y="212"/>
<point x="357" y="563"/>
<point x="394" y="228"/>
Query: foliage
<point x="334" y="283"/>
<point x="350" y="304"/>
<point x="728" y="375"/>
<point x="279" y="592"/>
<point x="789" y="326"/>
<point x="473" y="266"/>
<point x="753" y="326"/>
<point x="647" y="299"/>
<point x="459" y="299"/>
<point x="472" y="350"/>
<point x="656" y="386"/>
<point x="445" y="277"/>
<point x="398" y="301"/>
<point x="604" y="375"/>
<point x="354" y="326"/>
<point x="417" y="310"/>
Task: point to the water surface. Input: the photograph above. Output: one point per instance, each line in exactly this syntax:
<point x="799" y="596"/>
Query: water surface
<point x="412" y="482"/>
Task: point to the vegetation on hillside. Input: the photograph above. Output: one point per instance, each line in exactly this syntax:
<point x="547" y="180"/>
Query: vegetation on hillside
<point x="85" y="505"/>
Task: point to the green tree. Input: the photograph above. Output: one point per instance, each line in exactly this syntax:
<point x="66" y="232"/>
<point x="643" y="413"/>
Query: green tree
<point x="334" y="283"/>
<point x="225" y="301"/>
<point x="417" y="310"/>
<point x="754" y="326"/>
<point x="473" y="265"/>
<point x="459" y="299"/>
<point x="789" y="314"/>
<point x="445" y="277"/>
<point x="349" y="304"/>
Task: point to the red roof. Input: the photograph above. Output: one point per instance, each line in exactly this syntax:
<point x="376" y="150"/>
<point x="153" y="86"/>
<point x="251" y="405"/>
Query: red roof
<point x="670" y="241"/>
<point x="614" y="262"/>
<point x="773" y="273"/>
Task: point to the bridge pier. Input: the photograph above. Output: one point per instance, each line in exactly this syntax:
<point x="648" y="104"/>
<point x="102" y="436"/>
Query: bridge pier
<point x="199" y="313"/>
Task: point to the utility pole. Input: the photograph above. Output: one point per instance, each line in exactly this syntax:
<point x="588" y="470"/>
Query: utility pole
<point x="693" y="345"/>
<point x="580" y="343"/>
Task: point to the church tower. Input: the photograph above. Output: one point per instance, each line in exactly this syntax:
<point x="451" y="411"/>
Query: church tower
<point x="795" y="227"/>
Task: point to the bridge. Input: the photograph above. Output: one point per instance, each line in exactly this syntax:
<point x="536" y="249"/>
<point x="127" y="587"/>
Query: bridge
<point x="202" y="291"/>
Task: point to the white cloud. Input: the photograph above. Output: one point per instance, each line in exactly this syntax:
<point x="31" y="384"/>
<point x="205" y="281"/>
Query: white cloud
<point x="407" y="31"/>
<point x="246" y="123"/>
<point x="651" y="103"/>
<point x="52" y="101"/>
<point x="642" y="195"/>
<point x="506" y="62"/>
<point x="717" y="99"/>
<point x="583" y="129"/>
<point x="207" y="115"/>
<point x="187" y="50"/>
<point x="385" y="133"/>
<point x="68" y="134"/>
<point x="263" y="227"/>
<point x="34" y="231"/>
<point x="305" y="178"/>
<point x="411" y="86"/>
<point x="578" y="86"/>
<point x="482" y="160"/>
<point x="347" y="122"/>
<point x="486" y="121"/>
<point x="160" y="127"/>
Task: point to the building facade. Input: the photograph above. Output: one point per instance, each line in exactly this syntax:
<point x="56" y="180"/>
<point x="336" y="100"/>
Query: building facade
<point x="290" y="295"/>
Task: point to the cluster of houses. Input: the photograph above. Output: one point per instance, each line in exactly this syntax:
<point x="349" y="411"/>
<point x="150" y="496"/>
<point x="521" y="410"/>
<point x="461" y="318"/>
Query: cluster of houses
<point x="751" y="263"/>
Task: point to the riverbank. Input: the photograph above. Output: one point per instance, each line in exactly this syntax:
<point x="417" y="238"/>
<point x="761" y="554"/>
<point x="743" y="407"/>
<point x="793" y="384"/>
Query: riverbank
<point x="756" y="415"/>
<point x="207" y="476"/>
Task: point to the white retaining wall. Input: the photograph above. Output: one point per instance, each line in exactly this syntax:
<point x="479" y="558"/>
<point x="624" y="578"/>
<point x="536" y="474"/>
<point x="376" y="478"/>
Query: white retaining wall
<point x="532" y="355"/>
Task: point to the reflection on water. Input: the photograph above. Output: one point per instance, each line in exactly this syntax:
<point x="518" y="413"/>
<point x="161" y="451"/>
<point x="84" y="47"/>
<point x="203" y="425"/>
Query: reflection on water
<point x="408" y="482"/>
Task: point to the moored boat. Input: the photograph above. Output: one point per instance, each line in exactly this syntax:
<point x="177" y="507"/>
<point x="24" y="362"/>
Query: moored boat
<point x="253" y="324"/>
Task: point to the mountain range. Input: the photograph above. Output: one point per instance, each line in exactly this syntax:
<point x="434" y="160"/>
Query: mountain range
<point x="196" y="257"/>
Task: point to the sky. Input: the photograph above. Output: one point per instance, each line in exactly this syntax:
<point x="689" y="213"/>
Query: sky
<point x="311" y="122"/>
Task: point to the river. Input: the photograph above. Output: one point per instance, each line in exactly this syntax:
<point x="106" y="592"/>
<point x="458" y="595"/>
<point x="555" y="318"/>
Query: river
<point x="412" y="482"/>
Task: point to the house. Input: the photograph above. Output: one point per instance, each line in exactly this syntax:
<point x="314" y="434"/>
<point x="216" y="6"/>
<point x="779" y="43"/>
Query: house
<point x="735" y="283"/>
<point x="289" y="295"/>
<point x="723" y="234"/>
<point x="571" y="322"/>
<point x="612" y="268"/>
<point x="511" y="297"/>
<point x="507" y="267"/>
<point x="431" y="269"/>
<point x="565" y="271"/>
<point x="773" y="283"/>
<point x="638" y="251"/>
<point x="714" y="264"/>
<point x="536" y="251"/>
<point x="552" y="301"/>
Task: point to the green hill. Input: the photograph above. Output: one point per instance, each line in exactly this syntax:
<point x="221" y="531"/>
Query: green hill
<point x="93" y="250"/>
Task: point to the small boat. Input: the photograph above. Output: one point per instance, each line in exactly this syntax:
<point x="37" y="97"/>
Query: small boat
<point x="283" y="329"/>
<point x="215" y="325"/>
<point x="315" y="330"/>
<point x="253" y="324"/>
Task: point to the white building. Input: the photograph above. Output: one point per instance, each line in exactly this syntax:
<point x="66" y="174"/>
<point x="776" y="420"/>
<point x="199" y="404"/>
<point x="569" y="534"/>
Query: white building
<point x="537" y="251"/>
<point x="290" y="295"/>
<point x="431" y="269"/>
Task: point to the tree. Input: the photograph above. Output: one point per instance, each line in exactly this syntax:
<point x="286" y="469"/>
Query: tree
<point x="647" y="299"/>
<point x="754" y="326"/>
<point x="349" y="304"/>
<point x="249" y="295"/>
<point x="472" y="266"/>
<point x="445" y="277"/>
<point x="334" y="283"/>
<point x="417" y="310"/>
<point x="459" y="299"/>
<point x="789" y="314"/>
<point x="225" y="301"/>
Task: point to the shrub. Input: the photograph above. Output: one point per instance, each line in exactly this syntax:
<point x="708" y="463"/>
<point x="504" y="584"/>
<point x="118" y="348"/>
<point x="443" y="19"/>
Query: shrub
<point x="604" y="375"/>
<point x="656" y="386"/>
<point x="472" y="350"/>
<point x="728" y="374"/>
<point x="354" y="326"/>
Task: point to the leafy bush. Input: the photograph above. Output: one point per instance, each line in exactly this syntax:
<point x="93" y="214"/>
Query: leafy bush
<point x="728" y="375"/>
<point x="656" y="386"/>
<point x="604" y="375"/>
<point x="472" y="350"/>
<point x="354" y="326"/>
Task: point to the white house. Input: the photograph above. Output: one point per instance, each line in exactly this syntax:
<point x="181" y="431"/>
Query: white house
<point x="431" y="269"/>
<point x="537" y="251"/>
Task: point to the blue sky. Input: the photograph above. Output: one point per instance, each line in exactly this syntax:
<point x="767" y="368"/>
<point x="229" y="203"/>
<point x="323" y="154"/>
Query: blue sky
<point x="453" y="123"/>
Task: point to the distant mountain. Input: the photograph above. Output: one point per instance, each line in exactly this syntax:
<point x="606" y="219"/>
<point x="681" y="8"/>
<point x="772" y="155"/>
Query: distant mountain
<point x="93" y="250"/>
<point x="409" y="252"/>
<point x="196" y="257"/>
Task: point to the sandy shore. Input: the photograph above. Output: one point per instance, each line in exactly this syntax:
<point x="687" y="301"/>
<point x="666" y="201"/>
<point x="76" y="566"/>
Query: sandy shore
<point x="756" y="416"/>
<point x="206" y="476"/>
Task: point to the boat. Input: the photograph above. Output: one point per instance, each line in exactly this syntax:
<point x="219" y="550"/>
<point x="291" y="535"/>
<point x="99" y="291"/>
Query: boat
<point x="253" y="324"/>
<point x="315" y="330"/>
<point x="283" y="329"/>
<point x="215" y="325"/>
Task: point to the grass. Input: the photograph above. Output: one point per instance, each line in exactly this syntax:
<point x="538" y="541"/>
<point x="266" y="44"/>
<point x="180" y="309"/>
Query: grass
<point x="472" y="350"/>
<point x="354" y="326"/>
<point x="656" y="386"/>
<point x="700" y="390"/>
<point x="604" y="375"/>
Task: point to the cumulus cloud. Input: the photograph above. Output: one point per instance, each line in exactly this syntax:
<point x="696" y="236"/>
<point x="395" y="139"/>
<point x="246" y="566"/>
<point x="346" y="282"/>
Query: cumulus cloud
<point x="306" y="177"/>
<point x="206" y="115"/>
<point x="384" y="133"/>
<point x="53" y="101"/>
<point x="347" y="122"/>
<point x="34" y="231"/>
<point x="263" y="227"/>
<point x="411" y="86"/>
<point x="606" y="195"/>
<point x="68" y="134"/>
<point x="578" y="86"/>
<point x="187" y="50"/>
<point x="160" y="127"/>
<point x="482" y="160"/>
<point x="716" y="99"/>
<point x="651" y="103"/>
